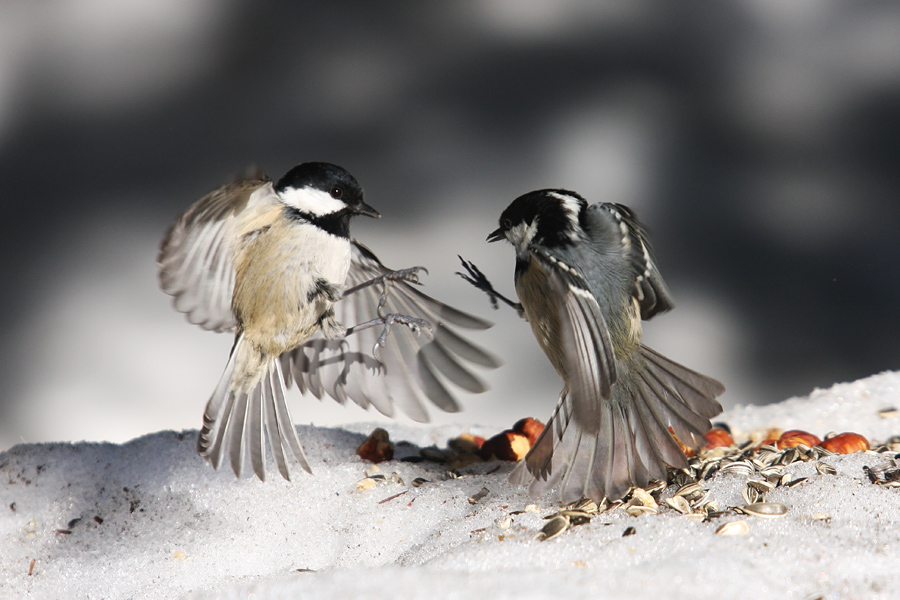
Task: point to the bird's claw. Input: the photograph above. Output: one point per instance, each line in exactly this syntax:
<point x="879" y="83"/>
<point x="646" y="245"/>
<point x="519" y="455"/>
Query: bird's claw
<point x="410" y="275"/>
<point x="480" y="281"/>
<point x="415" y="325"/>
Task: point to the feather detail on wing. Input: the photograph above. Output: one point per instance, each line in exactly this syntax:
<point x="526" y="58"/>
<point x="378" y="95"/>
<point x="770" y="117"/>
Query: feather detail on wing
<point x="196" y="257"/>
<point x="649" y="288"/>
<point x="633" y="444"/>
<point x="589" y="364"/>
<point x="412" y="367"/>
<point x="237" y="423"/>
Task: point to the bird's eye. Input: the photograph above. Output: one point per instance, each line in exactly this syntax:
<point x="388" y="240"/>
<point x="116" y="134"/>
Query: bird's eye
<point x="336" y="192"/>
<point x="507" y="224"/>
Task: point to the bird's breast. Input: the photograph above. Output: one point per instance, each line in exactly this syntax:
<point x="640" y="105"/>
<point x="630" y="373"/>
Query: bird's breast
<point x="276" y="275"/>
<point x="542" y="308"/>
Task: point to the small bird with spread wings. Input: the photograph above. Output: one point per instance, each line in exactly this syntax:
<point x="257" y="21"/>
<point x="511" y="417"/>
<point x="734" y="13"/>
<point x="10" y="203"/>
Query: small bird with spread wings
<point x="586" y="278"/>
<point x="275" y="264"/>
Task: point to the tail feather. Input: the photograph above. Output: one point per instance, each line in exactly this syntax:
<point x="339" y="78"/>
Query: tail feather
<point x="234" y="434"/>
<point x="254" y="425"/>
<point x="236" y="423"/>
<point x="278" y="453"/>
<point x="632" y="443"/>
<point x="285" y="426"/>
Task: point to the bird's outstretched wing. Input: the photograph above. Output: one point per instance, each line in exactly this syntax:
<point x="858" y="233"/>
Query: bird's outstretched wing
<point x="409" y="368"/>
<point x="611" y="427"/>
<point x="196" y="257"/>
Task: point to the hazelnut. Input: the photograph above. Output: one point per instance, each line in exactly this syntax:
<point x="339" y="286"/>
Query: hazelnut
<point x="718" y="438"/>
<point x="846" y="443"/>
<point x="530" y="428"/>
<point x="795" y="437"/>
<point x="508" y="445"/>
<point x="377" y="447"/>
<point x="466" y="443"/>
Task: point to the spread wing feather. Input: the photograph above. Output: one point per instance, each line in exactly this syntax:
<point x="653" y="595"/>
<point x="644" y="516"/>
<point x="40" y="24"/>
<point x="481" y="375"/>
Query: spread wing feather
<point x="610" y="428"/>
<point x="196" y="262"/>
<point x="649" y="288"/>
<point x="411" y="368"/>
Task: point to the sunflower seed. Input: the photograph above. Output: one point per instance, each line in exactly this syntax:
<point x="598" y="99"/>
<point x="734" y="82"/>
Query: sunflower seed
<point x="791" y="455"/>
<point x="554" y="526"/>
<point x="769" y="510"/>
<point x="689" y="489"/>
<point x="366" y="483"/>
<point x="709" y="469"/>
<point x="700" y="499"/>
<point x="575" y="514"/>
<point x="734" y="528"/>
<point x="636" y="510"/>
<point x="643" y="497"/>
<point x="589" y="506"/>
<point x="656" y="486"/>
<point x="889" y="412"/>
<point x="711" y="508"/>
<point x="825" y="468"/>
<point x="478" y="496"/>
<point x="679" y="503"/>
<point x="419" y="481"/>
<point x="821" y="452"/>
<point x="762" y="486"/>
<point x="740" y="467"/>
<point x="750" y="495"/>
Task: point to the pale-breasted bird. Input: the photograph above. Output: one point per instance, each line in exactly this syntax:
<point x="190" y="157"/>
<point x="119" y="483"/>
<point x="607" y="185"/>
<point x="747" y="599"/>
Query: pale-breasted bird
<point x="275" y="263"/>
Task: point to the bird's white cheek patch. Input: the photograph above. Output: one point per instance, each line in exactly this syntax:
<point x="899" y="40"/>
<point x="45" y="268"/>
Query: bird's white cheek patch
<point x="521" y="236"/>
<point x="312" y="201"/>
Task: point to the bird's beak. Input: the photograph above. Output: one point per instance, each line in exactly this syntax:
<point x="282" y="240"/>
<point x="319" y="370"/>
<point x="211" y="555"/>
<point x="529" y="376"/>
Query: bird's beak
<point x="496" y="235"/>
<point x="364" y="209"/>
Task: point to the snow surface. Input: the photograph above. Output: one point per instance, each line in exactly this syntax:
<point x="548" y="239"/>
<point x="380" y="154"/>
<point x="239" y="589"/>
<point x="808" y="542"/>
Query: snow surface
<point x="157" y="522"/>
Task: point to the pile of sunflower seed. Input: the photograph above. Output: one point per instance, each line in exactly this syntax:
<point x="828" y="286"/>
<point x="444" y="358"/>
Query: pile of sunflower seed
<point x="762" y="465"/>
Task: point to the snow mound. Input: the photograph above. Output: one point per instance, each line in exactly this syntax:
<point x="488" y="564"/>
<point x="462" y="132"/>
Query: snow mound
<point x="150" y="519"/>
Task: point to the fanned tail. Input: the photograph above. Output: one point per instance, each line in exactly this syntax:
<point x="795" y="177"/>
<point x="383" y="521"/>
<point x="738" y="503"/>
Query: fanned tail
<point x="633" y="444"/>
<point x="237" y="422"/>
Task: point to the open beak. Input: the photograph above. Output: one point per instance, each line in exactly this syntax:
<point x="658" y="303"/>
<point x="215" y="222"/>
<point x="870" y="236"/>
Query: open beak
<point x="364" y="209"/>
<point x="496" y="235"/>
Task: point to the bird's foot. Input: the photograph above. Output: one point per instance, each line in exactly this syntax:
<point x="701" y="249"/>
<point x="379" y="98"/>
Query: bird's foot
<point x="474" y="276"/>
<point x="410" y="275"/>
<point x="415" y="325"/>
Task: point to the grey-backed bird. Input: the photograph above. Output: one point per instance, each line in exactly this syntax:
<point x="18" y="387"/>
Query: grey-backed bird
<point x="275" y="263"/>
<point x="586" y="277"/>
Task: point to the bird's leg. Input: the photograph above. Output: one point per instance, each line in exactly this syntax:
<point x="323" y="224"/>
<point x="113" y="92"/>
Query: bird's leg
<point x="478" y="279"/>
<point x="414" y="324"/>
<point x="410" y="275"/>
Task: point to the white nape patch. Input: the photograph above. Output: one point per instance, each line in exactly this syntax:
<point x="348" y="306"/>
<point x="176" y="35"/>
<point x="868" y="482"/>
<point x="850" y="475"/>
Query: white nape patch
<point x="521" y="236"/>
<point x="312" y="201"/>
<point x="572" y="206"/>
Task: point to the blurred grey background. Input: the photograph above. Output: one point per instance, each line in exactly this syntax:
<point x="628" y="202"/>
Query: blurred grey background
<point x="758" y="141"/>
